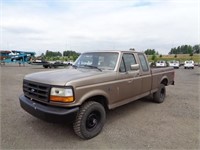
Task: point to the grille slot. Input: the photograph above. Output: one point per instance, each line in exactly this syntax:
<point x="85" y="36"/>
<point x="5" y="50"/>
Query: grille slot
<point x="36" y="91"/>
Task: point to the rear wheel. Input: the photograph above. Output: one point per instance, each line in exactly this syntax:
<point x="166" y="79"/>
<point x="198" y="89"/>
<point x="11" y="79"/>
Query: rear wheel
<point x="160" y="95"/>
<point x="45" y="66"/>
<point x="90" y="120"/>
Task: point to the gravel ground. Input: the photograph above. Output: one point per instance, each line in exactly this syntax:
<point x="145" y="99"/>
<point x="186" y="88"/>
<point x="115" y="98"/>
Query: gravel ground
<point x="142" y="124"/>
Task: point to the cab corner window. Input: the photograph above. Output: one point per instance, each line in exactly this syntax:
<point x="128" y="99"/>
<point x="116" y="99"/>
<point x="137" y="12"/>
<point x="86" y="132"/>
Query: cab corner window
<point x="122" y="67"/>
<point x="143" y="62"/>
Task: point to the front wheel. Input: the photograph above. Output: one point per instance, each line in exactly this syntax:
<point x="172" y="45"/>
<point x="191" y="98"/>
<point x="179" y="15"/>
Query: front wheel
<point x="160" y="95"/>
<point x="90" y="120"/>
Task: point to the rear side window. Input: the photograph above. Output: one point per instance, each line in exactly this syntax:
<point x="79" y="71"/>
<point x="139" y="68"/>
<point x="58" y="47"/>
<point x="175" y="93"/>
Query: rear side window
<point x="143" y="62"/>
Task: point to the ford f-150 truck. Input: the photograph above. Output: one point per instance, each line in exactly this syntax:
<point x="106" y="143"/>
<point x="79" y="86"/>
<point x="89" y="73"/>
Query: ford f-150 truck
<point x="98" y="81"/>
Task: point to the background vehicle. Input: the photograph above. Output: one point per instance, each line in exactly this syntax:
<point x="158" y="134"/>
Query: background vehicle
<point x="96" y="82"/>
<point x="189" y="64"/>
<point x="174" y="63"/>
<point x="15" y="56"/>
<point x="50" y="64"/>
<point x="161" y="63"/>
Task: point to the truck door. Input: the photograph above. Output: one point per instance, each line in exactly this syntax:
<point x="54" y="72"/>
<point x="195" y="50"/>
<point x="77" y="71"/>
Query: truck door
<point x="129" y="84"/>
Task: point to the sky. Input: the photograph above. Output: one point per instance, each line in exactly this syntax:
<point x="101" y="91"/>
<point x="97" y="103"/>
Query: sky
<point x="86" y="25"/>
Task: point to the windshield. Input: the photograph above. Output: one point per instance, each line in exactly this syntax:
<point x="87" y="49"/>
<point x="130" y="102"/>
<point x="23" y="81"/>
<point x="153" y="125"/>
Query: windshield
<point x="160" y="61"/>
<point x="100" y="60"/>
<point x="189" y="62"/>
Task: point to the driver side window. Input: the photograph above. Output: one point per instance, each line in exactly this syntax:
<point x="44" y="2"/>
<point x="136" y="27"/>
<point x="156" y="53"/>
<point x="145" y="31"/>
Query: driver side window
<point x="127" y="60"/>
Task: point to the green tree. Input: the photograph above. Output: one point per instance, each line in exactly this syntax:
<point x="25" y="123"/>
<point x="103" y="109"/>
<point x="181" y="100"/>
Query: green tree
<point x="189" y="49"/>
<point x="72" y="55"/>
<point x="150" y="51"/>
<point x="183" y="49"/>
<point x="196" y="49"/>
<point x="132" y="49"/>
<point x="52" y="54"/>
<point x="153" y="57"/>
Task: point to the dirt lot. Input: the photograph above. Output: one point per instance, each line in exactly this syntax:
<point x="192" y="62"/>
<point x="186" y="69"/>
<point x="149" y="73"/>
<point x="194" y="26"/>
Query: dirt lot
<point x="142" y="124"/>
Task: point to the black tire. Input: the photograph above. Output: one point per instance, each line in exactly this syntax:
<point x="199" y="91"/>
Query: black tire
<point x="90" y="120"/>
<point x="45" y="66"/>
<point x="160" y="95"/>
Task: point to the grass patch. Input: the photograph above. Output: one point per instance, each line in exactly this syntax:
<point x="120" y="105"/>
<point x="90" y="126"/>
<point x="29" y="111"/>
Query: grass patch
<point x="180" y="57"/>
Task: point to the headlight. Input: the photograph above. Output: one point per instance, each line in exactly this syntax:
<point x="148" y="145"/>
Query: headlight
<point x="61" y="94"/>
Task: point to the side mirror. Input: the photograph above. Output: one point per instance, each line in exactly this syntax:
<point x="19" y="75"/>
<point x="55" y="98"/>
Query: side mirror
<point x="135" y="67"/>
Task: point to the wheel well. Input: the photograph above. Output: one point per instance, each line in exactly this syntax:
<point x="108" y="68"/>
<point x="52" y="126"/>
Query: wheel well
<point x="100" y="99"/>
<point x="165" y="82"/>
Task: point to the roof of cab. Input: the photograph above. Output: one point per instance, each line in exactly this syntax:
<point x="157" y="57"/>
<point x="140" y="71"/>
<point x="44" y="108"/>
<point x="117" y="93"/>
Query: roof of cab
<point x="113" y="51"/>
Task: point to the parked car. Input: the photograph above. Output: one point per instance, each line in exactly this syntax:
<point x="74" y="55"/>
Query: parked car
<point x="189" y="64"/>
<point x="196" y="64"/>
<point x="98" y="81"/>
<point x="174" y="63"/>
<point x="161" y="63"/>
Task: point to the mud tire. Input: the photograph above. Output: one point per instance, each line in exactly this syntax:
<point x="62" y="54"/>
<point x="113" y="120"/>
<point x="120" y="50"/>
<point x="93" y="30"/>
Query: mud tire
<point x="90" y="120"/>
<point x="160" y="95"/>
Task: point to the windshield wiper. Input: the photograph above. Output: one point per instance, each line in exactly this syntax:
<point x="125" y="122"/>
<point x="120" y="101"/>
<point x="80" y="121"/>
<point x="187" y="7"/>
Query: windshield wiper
<point x="93" y="67"/>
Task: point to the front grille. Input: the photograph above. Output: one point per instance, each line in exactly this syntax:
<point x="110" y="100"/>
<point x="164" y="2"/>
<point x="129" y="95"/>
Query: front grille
<point x="36" y="91"/>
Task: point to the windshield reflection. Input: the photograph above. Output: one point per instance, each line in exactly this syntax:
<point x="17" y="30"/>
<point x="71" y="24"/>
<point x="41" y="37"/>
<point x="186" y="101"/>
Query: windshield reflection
<point x="97" y="60"/>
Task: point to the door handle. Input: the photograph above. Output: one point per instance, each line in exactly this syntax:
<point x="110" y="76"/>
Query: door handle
<point x="137" y="75"/>
<point x="130" y="81"/>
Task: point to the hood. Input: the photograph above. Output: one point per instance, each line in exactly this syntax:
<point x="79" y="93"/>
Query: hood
<point x="61" y="77"/>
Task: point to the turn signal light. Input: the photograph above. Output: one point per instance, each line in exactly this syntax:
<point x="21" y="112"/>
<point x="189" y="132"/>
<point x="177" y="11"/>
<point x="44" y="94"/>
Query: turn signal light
<point x="62" y="99"/>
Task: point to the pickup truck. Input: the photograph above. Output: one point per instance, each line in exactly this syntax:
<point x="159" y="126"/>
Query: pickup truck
<point x="98" y="81"/>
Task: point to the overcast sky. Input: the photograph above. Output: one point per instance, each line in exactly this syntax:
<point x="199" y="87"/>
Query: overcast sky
<point x="85" y="25"/>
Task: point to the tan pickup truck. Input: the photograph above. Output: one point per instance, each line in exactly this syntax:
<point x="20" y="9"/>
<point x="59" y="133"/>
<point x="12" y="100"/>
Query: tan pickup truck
<point x="97" y="81"/>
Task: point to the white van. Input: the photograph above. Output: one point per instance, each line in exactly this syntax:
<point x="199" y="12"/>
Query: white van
<point x="189" y="64"/>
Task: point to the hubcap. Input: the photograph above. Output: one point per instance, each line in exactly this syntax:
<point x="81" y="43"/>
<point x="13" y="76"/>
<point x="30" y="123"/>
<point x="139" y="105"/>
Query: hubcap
<point x="92" y="120"/>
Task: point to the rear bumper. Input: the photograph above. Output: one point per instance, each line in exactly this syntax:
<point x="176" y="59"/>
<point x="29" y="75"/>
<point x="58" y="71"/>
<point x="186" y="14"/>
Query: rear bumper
<point x="46" y="112"/>
<point x="188" y="66"/>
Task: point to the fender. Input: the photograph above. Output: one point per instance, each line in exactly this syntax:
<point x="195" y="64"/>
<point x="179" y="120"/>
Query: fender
<point x="93" y="93"/>
<point x="164" y="78"/>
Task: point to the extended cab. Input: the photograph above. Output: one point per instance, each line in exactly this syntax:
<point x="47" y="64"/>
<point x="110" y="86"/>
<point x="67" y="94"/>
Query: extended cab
<point x="96" y="82"/>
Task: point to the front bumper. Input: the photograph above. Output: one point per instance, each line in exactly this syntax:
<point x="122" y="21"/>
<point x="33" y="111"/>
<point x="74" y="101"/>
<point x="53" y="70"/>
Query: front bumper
<point x="46" y="112"/>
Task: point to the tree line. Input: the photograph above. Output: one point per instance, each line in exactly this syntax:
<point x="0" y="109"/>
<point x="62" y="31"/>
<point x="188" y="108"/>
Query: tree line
<point x="151" y="52"/>
<point x="183" y="49"/>
<point x="73" y="55"/>
<point x="66" y="55"/>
